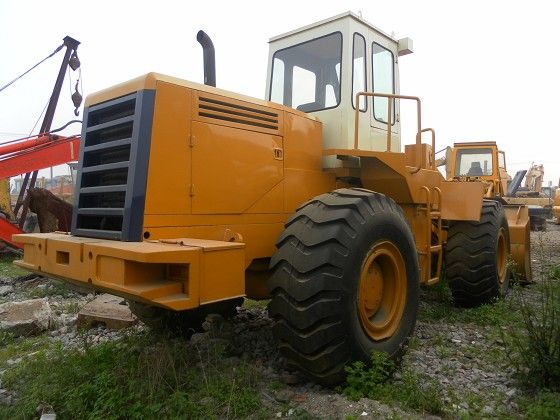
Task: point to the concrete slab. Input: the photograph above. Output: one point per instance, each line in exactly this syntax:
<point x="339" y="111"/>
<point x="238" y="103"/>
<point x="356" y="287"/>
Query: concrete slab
<point x="108" y="310"/>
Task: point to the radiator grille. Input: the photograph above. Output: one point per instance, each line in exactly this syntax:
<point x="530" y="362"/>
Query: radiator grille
<point x="112" y="166"/>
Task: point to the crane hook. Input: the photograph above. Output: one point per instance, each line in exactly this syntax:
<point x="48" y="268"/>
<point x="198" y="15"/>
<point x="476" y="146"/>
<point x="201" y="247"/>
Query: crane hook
<point x="76" y="99"/>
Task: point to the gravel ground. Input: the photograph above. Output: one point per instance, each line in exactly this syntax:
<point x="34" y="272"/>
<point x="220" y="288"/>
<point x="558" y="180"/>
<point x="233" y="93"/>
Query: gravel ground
<point x="462" y="358"/>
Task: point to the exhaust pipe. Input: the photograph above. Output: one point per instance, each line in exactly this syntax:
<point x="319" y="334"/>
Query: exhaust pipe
<point x="209" y="58"/>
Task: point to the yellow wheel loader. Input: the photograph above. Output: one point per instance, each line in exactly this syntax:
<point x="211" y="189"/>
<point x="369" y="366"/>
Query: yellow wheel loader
<point x="189" y="197"/>
<point x="484" y="162"/>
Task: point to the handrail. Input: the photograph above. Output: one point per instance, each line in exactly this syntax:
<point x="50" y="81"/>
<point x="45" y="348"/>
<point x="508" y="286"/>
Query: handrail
<point x="389" y="123"/>
<point x="433" y="157"/>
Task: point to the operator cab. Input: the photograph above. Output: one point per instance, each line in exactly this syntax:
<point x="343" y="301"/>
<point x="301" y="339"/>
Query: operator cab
<point x="318" y="69"/>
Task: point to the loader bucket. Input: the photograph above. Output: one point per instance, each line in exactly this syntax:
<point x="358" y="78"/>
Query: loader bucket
<point x="520" y="240"/>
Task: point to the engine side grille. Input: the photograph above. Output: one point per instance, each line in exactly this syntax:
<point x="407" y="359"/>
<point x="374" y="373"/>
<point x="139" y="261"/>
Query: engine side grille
<point x="236" y="113"/>
<point x="111" y="181"/>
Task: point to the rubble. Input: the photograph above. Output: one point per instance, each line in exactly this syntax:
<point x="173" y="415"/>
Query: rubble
<point x="25" y="318"/>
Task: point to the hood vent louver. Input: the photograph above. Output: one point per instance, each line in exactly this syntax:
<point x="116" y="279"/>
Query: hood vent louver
<point x="239" y="114"/>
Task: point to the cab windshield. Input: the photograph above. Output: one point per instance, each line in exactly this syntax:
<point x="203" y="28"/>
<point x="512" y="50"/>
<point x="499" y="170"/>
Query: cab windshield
<point x="474" y="162"/>
<point x="307" y="76"/>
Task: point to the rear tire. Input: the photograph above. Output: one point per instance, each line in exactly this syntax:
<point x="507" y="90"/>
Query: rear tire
<point x="345" y="283"/>
<point x="476" y="257"/>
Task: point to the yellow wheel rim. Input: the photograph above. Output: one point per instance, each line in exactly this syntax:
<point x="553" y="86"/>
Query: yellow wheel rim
<point x="501" y="257"/>
<point x="382" y="291"/>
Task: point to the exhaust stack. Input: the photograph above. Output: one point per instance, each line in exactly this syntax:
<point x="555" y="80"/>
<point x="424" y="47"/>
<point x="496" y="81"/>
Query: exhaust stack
<point x="209" y="58"/>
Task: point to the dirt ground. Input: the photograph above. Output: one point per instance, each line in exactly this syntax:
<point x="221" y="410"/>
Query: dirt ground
<point x="459" y="351"/>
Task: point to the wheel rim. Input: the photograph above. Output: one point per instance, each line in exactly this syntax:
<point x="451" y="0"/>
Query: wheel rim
<point x="501" y="257"/>
<point x="382" y="291"/>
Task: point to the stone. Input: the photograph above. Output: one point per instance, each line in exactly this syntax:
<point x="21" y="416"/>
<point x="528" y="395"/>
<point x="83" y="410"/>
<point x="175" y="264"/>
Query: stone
<point x="511" y="392"/>
<point x="25" y="318"/>
<point x="284" y="395"/>
<point x="4" y="290"/>
<point x="106" y="310"/>
<point x="289" y="378"/>
<point x="6" y="397"/>
<point x="487" y="410"/>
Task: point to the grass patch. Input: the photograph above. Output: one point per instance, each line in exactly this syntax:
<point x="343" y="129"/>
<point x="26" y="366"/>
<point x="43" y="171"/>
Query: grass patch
<point x="8" y="269"/>
<point x="379" y="382"/>
<point x="499" y="313"/>
<point x="52" y="288"/>
<point x="136" y="377"/>
<point x="13" y="347"/>
<point x="250" y="303"/>
<point x="545" y="405"/>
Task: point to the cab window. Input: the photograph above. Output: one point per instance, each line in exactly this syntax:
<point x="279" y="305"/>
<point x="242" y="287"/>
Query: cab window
<point x="502" y="160"/>
<point x="307" y="76"/>
<point x="474" y="162"/>
<point x="383" y="81"/>
<point x="359" y="83"/>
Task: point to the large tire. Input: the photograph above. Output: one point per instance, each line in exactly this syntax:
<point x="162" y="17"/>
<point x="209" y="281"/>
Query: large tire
<point x="345" y="283"/>
<point x="476" y="257"/>
<point x="162" y="320"/>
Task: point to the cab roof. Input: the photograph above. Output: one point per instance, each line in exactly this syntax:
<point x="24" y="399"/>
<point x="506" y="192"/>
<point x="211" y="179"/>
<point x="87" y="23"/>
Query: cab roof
<point x="332" y="19"/>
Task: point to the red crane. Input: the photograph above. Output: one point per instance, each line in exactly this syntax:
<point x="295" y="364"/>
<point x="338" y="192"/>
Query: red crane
<point x="27" y="156"/>
<point x="30" y="155"/>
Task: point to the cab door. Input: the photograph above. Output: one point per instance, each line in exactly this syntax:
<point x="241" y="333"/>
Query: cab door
<point x="384" y="79"/>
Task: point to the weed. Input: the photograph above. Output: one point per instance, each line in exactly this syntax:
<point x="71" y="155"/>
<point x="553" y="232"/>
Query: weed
<point x="554" y="273"/>
<point x="443" y="351"/>
<point x="536" y="339"/>
<point x="413" y="344"/>
<point x="380" y="383"/>
<point x="364" y="381"/>
<point x="72" y="307"/>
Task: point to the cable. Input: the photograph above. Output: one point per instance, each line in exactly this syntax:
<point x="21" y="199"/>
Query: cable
<point x="41" y="134"/>
<point x="65" y="125"/>
<point x="37" y="122"/>
<point x="20" y="76"/>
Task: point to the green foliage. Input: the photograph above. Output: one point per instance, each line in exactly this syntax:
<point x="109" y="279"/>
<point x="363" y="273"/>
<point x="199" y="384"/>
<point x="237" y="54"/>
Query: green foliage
<point x="362" y="381"/>
<point x="379" y="382"/>
<point x="6" y="338"/>
<point x="136" y="377"/>
<point x="546" y="405"/>
<point x="536" y="339"/>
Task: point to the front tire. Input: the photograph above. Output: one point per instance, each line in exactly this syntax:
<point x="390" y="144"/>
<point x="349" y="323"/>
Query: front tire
<point x="476" y="257"/>
<point x="345" y="283"/>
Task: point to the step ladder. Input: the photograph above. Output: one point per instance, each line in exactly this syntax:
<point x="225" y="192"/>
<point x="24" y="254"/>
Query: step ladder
<point x="432" y="209"/>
